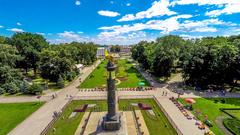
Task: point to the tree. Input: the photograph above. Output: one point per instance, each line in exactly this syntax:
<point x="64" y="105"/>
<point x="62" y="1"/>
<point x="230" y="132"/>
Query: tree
<point x="55" y="67"/>
<point x="29" y="45"/>
<point x="2" y="40"/>
<point x="9" y="55"/>
<point x="115" y="49"/>
<point x="204" y="62"/>
<point x="210" y="62"/>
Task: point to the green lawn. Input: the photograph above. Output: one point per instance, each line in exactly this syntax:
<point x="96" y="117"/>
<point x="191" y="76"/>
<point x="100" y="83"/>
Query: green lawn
<point x="235" y="113"/>
<point x="67" y="126"/>
<point x="155" y="124"/>
<point x="210" y="107"/>
<point x="11" y="114"/>
<point x="126" y="73"/>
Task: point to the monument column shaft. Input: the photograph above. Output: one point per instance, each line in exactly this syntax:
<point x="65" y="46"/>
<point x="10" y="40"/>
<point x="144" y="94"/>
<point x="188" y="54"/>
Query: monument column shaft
<point x="111" y="97"/>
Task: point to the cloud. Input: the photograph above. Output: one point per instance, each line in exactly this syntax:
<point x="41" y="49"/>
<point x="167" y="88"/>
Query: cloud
<point x="69" y="36"/>
<point x="186" y="26"/>
<point x="229" y="9"/>
<point x="205" y="29"/>
<point x="158" y="8"/>
<point x="19" y="24"/>
<point x="204" y="25"/>
<point x="108" y="13"/>
<point x="40" y="33"/>
<point x="1" y="26"/>
<point x="204" y="2"/>
<point x="124" y="39"/>
<point x="112" y="2"/>
<point x="79" y="32"/>
<point x="226" y="6"/>
<point x="128" y="4"/>
<point x="77" y="2"/>
<point x="162" y="25"/>
<point x="15" y="30"/>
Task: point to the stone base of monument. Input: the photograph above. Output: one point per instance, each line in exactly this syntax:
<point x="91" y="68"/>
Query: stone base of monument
<point x="115" y="127"/>
<point x="113" y="123"/>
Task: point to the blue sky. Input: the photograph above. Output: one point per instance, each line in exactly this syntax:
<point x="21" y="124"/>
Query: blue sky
<point x="119" y="21"/>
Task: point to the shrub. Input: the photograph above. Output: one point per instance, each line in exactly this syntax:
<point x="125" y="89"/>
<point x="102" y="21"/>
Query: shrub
<point x="223" y="101"/>
<point x="11" y="88"/>
<point x="69" y="76"/>
<point x="35" y="89"/>
<point x="60" y="82"/>
<point x="2" y="90"/>
<point x="24" y="86"/>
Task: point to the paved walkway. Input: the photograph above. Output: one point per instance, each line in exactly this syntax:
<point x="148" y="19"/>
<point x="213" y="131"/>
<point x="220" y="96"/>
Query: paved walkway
<point x="36" y="123"/>
<point x="131" y="125"/>
<point x="82" y="123"/>
<point x="141" y="121"/>
<point x="19" y="99"/>
<point x="187" y="127"/>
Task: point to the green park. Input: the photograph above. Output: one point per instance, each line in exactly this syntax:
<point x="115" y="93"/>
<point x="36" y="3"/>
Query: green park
<point x="120" y="67"/>
<point x="126" y="75"/>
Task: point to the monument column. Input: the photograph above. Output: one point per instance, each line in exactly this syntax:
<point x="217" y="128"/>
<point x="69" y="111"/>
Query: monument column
<point x="111" y="122"/>
<point x="111" y="97"/>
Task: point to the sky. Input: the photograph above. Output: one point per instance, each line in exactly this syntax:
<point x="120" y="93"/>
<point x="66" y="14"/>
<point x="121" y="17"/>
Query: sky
<point x="122" y="22"/>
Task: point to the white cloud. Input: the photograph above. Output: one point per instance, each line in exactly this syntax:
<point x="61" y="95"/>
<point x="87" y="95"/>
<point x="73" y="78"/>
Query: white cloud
<point x="1" y="26"/>
<point x="229" y="9"/>
<point x="203" y="25"/>
<point x="79" y="32"/>
<point x="128" y="4"/>
<point x="69" y="36"/>
<point x="159" y="8"/>
<point x="124" y="39"/>
<point x="77" y="2"/>
<point x="204" y="2"/>
<point x="15" y="30"/>
<point x="162" y="25"/>
<point x="226" y="6"/>
<point x="108" y="13"/>
<point x="112" y="2"/>
<point x="19" y="24"/>
<point x="205" y="29"/>
<point x="40" y="33"/>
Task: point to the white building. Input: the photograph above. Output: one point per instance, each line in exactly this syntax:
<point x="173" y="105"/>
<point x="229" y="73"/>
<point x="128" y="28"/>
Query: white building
<point x="100" y="52"/>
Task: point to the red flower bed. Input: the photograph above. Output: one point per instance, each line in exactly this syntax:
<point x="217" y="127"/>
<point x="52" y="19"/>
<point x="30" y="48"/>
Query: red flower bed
<point x="144" y="106"/>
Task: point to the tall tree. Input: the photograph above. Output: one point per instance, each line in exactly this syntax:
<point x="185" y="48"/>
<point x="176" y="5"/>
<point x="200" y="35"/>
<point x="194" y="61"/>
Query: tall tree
<point x="29" y="45"/>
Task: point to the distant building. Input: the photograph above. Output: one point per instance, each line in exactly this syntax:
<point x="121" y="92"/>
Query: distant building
<point x="125" y="49"/>
<point x="100" y="52"/>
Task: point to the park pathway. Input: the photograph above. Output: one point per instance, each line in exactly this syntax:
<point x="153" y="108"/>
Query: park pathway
<point x="186" y="127"/>
<point x="36" y="123"/>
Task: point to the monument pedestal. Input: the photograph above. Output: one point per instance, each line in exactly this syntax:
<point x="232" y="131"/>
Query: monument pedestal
<point x="115" y="127"/>
<point x="111" y="123"/>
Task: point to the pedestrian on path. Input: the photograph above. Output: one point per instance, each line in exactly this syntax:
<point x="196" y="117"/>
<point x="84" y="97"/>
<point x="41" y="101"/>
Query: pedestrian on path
<point x="163" y="93"/>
